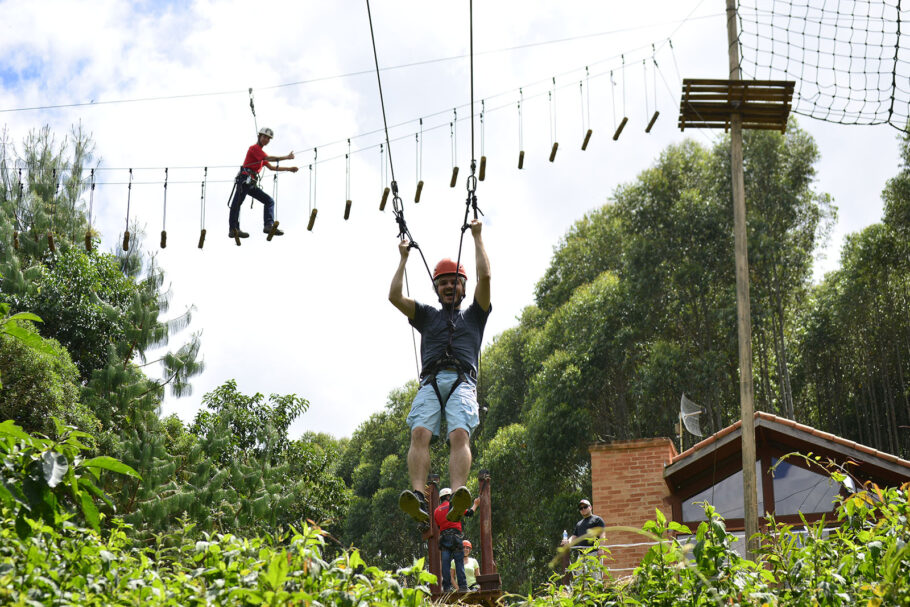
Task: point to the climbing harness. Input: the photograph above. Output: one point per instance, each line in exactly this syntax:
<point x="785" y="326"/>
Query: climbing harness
<point x="126" y="232"/>
<point x="581" y="89"/>
<point x="205" y="176"/>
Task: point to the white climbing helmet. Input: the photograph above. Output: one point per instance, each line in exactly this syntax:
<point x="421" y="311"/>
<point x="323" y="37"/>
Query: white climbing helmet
<point x="267" y="132"/>
<point x="445" y="492"/>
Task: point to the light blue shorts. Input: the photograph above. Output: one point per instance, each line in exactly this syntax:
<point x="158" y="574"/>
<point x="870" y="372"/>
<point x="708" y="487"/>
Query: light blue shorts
<point x="461" y="406"/>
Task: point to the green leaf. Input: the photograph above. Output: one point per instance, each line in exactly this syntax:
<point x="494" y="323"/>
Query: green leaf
<point x="109" y="463"/>
<point x="25" y="316"/>
<point x="29" y="338"/>
<point x="90" y="511"/>
<point x="11" y="429"/>
<point x="54" y="466"/>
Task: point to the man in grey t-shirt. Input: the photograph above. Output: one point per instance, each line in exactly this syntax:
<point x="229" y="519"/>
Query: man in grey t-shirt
<point x="449" y="346"/>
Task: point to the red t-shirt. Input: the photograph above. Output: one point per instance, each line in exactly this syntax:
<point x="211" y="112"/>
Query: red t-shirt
<point x="255" y="158"/>
<point x="441" y="521"/>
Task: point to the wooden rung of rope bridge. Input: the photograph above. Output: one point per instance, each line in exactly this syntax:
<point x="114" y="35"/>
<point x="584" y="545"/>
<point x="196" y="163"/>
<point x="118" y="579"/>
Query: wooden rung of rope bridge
<point x="709" y="104"/>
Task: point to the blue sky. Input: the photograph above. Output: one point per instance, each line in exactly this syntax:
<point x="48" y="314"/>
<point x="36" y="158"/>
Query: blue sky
<point x="308" y="313"/>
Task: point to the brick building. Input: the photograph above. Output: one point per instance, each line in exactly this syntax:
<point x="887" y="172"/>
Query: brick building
<point x="630" y="479"/>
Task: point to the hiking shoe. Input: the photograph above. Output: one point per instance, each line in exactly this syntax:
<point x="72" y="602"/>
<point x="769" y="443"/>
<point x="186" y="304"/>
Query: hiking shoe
<point x="415" y="505"/>
<point x="238" y="233"/>
<point x="268" y="230"/>
<point x="461" y="501"/>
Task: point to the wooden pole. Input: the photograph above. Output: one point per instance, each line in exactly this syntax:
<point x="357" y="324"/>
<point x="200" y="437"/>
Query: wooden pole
<point x="743" y="312"/>
<point x="432" y="535"/>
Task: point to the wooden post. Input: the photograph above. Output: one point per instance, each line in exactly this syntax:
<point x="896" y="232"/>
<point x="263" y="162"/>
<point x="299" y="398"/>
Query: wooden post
<point x="743" y="311"/>
<point x="432" y="535"/>
<point x="488" y="580"/>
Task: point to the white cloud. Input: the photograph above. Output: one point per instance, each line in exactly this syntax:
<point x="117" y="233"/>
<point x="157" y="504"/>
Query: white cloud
<point x="307" y="313"/>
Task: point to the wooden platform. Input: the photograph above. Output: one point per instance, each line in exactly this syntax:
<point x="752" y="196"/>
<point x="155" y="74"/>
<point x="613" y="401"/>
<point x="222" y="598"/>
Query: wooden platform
<point x="709" y="104"/>
<point x="489" y="598"/>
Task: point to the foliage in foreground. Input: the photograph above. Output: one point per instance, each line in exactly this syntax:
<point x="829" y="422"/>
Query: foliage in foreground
<point x="54" y="552"/>
<point x="865" y="560"/>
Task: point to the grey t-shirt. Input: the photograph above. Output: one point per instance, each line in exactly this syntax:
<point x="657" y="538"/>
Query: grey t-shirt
<point x="434" y="333"/>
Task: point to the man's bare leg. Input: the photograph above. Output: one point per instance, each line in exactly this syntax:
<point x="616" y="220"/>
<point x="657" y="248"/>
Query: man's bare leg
<point x="414" y="502"/>
<point x="459" y="457"/>
<point x="419" y="458"/>
<point x="459" y="467"/>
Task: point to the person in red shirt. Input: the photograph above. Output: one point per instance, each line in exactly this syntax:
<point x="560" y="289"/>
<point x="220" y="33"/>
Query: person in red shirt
<point x="451" y="541"/>
<point x="247" y="183"/>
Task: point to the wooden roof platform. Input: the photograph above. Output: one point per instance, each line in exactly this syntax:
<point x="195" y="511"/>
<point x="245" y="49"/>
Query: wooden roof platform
<point x="709" y="104"/>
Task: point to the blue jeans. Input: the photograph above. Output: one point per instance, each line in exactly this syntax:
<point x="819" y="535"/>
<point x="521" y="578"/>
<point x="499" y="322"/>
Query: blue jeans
<point x="451" y="547"/>
<point x="240" y="193"/>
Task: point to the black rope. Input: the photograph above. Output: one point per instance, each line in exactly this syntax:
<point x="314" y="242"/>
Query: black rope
<point x="397" y="204"/>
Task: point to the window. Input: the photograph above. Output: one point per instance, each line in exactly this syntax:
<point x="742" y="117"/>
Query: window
<point x="799" y="490"/>
<point x="726" y="497"/>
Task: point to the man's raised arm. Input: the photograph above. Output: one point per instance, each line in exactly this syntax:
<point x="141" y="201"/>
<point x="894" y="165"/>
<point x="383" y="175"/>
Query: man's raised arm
<point x="396" y="294"/>
<point x="482" y="292"/>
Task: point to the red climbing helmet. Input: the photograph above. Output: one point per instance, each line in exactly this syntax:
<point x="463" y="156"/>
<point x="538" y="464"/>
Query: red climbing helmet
<point x="447" y="266"/>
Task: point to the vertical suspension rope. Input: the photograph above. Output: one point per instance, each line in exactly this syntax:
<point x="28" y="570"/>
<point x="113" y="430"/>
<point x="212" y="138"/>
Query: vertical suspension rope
<point x="205" y="176"/>
<point x="91" y="205"/>
<point x="382" y="179"/>
<point x="552" y="95"/>
<point x="126" y="232"/>
<point x="347" y="182"/>
<point x="418" y="158"/>
<point x="397" y="205"/>
<point x="164" y="215"/>
<point x="314" y="210"/>
<point x="453" y="138"/>
<point x="521" y="150"/>
<point x="483" y="158"/>
<point x="53" y="228"/>
<point x="625" y="118"/>
<point x="586" y="133"/>
<point x="18" y="207"/>
<point x="654" y="73"/>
